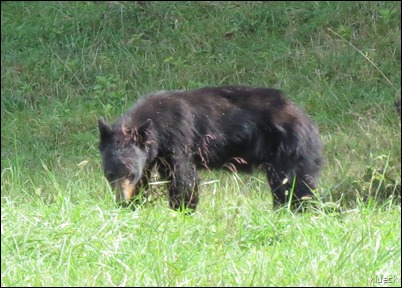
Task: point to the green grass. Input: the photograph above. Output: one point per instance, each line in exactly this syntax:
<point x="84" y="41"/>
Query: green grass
<point x="233" y="239"/>
<point x="64" y="64"/>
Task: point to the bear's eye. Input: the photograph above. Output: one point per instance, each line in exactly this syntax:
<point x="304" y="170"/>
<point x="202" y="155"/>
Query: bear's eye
<point x="110" y="176"/>
<point x="131" y="177"/>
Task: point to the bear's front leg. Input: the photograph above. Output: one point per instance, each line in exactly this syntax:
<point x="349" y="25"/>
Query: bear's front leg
<point x="183" y="187"/>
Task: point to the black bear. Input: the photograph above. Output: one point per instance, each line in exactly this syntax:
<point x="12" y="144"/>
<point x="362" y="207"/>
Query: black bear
<point x="235" y="127"/>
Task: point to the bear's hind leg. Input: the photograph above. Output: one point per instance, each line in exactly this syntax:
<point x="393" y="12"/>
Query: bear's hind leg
<point x="290" y="185"/>
<point x="279" y="182"/>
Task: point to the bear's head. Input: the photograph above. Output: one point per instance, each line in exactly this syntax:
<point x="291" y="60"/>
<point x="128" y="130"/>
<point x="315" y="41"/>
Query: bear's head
<point x="125" y="152"/>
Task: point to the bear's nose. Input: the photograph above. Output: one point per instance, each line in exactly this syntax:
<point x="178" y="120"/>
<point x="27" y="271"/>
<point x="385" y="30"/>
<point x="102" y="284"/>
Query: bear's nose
<point x="126" y="191"/>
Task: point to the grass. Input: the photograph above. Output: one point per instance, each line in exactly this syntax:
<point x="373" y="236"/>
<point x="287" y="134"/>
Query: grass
<point x="232" y="240"/>
<point x="64" y="64"/>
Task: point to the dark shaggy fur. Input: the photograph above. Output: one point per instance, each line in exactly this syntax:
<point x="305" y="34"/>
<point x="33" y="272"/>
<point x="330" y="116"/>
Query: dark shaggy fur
<point x="234" y="127"/>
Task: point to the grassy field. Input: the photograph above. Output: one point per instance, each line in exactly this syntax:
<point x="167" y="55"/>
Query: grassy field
<point x="64" y="64"/>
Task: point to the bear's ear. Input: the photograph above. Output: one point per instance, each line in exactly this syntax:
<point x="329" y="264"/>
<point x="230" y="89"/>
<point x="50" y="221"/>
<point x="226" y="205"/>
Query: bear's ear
<point x="143" y="131"/>
<point x="104" y="129"/>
